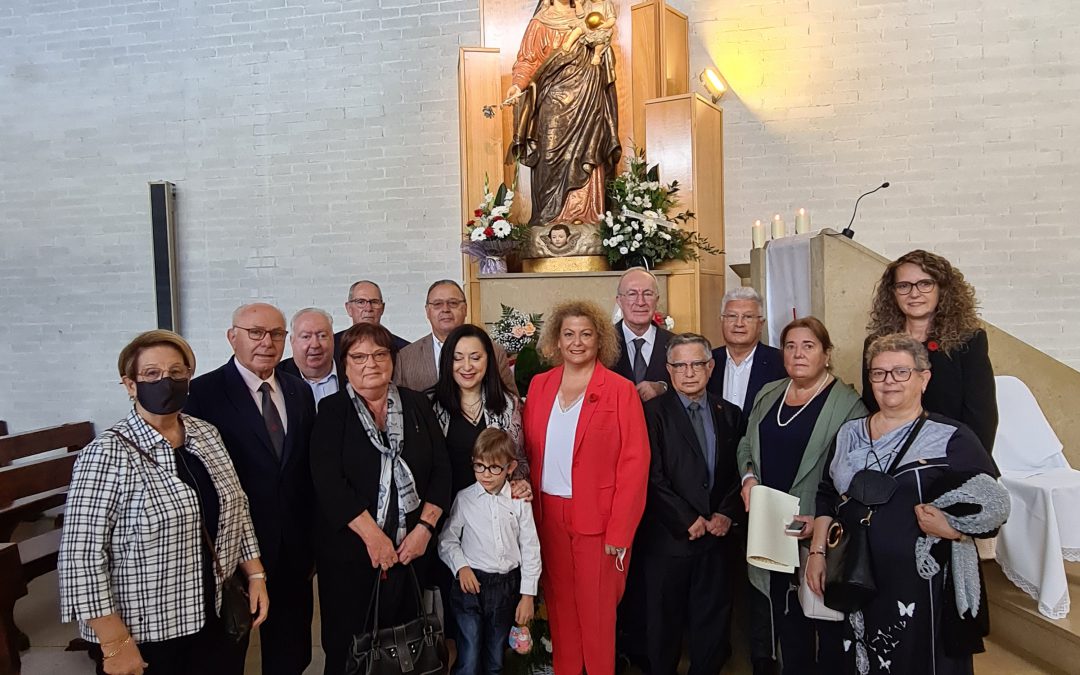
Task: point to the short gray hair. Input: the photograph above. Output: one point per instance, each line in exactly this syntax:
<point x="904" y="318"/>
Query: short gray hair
<point x="741" y="293"/>
<point x="899" y="342"/>
<point x="311" y="310"/>
<point x="363" y="281"/>
<point x="655" y="281"/>
<point x="688" y="339"/>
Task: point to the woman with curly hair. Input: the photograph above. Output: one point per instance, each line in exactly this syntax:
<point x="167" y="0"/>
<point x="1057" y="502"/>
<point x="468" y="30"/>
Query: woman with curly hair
<point x="923" y="295"/>
<point x="588" y="450"/>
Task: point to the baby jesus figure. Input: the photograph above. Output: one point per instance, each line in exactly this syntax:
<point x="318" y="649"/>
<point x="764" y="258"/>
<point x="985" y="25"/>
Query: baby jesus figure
<point x="595" y="30"/>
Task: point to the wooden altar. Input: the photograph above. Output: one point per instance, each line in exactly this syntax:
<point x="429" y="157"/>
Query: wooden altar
<point x="680" y="131"/>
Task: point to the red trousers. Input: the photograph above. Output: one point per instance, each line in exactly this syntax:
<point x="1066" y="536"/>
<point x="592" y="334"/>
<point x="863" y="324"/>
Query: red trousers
<point x="582" y="588"/>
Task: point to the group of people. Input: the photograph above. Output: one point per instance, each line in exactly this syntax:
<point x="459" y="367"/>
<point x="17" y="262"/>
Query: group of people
<point x="623" y="477"/>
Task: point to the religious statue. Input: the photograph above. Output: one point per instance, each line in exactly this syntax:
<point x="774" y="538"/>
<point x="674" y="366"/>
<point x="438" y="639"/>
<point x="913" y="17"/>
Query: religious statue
<point x="566" y="121"/>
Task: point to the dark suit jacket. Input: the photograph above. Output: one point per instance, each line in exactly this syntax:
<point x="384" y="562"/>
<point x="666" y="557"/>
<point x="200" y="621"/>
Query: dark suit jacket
<point x="678" y="485"/>
<point x="768" y="367"/>
<point x="656" y="371"/>
<point x="279" y="493"/>
<point x="345" y="467"/>
<point x="961" y="387"/>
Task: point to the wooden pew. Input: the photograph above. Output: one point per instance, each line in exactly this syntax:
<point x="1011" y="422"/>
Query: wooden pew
<point x="35" y="471"/>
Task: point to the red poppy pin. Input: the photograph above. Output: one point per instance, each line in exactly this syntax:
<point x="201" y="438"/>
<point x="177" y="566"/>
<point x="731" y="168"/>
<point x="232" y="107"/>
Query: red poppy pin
<point x="593" y="398"/>
<point x="933" y="345"/>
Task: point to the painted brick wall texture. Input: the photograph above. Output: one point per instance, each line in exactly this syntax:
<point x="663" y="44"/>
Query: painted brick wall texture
<point x="313" y="143"/>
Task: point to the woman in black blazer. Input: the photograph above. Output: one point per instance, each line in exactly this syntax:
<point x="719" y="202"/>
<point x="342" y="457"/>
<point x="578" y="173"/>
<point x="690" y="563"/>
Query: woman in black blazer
<point x="382" y="478"/>
<point x="923" y="295"/>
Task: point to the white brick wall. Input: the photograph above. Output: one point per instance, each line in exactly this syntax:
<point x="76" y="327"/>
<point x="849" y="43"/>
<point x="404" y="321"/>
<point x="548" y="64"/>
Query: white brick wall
<point x="311" y="144"/>
<point x="970" y="109"/>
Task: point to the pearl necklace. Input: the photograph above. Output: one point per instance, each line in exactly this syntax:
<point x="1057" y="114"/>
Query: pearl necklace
<point x="787" y="389"/>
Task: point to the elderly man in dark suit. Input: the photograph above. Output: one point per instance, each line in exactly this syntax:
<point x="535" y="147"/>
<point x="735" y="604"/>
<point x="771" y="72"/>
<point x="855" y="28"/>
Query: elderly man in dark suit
<point x="365" y="305"/>
<point x="641" y="342"/>
<point x="692" y="505"/>
<point x="265" y="418"/>
<point x="417" y="365"/>
<point x="743" y="365"/>
<point x="311" y="337"/>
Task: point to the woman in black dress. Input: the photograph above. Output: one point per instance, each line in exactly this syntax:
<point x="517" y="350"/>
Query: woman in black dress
<point x="927" y="617"/>
<point x="923" y="295"/>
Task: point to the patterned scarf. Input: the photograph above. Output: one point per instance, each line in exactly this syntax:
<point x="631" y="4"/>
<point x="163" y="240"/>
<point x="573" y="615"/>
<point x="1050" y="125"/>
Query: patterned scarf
<point x="392" y="465"/>
<point x="993" y="499"/>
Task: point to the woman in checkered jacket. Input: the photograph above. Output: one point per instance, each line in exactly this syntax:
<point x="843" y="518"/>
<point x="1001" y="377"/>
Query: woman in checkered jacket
<point x="155" y="522"/>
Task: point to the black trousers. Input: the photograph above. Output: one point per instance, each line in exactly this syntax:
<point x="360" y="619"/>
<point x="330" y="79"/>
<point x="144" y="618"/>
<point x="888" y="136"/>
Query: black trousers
<point x="208" y="652"/>
<point x="285" y="636"/>
<point x="692" y="595"/>
<point x="807" y="646"/>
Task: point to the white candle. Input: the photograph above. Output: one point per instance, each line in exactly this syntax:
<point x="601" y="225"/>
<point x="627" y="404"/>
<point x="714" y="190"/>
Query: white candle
<point x="802" y="222"/>
<point x="778" y="231"/>
<point x="758" y="232"/>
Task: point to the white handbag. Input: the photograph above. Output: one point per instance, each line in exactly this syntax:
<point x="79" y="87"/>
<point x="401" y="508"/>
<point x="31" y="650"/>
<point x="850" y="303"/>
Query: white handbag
<point x="813" y="606"/>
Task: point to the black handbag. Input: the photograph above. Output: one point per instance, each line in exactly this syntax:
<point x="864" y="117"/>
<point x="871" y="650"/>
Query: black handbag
<point x="417" y="647"/>
<point x="849" y="570"/>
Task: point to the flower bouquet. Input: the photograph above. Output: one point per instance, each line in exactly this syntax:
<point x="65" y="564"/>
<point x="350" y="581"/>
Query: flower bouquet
<point x="518" y="333"/>
<point x="661" y="320"/>
<point x="638" y="231"/>
<point x="489" y="236"/>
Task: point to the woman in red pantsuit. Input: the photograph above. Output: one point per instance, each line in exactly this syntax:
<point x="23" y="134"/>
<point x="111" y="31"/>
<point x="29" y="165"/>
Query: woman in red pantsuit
<point x="588" y="447"/>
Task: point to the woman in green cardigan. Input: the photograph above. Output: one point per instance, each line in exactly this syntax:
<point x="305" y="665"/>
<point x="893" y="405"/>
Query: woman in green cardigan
<point x="791" y="427"/>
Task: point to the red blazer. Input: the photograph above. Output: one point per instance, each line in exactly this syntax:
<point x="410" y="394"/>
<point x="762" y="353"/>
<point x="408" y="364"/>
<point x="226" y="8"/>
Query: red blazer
<point x="610" y="471"/>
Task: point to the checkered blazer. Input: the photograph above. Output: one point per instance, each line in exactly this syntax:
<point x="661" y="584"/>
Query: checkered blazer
<point x="132" y="539"/>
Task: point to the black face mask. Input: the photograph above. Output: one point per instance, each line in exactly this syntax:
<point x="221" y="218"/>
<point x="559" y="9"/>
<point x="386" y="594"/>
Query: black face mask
<point x="163" y="397"/>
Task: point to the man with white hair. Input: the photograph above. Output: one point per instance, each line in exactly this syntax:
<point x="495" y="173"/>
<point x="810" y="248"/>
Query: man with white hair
<point x="311" y="337"/>
<point x="743" y="364"/>
<point x="642" y="344"/>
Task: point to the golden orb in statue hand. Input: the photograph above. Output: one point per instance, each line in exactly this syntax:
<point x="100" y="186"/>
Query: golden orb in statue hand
<point x="593" y="20"/>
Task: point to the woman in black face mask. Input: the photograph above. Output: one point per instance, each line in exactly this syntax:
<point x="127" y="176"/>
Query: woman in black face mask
<point x="156" y="522"/>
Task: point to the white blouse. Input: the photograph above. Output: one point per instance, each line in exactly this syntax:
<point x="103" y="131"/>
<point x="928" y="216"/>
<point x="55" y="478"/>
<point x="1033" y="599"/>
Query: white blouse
<point x="557" y="479"/>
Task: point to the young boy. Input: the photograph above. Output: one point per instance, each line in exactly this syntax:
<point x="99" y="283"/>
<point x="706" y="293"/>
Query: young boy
<point x="490" y="543"/>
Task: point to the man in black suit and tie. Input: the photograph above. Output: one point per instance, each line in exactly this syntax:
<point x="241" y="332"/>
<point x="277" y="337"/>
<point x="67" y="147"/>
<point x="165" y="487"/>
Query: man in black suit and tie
<point x="641" y="342"/>
<point x="265" y="419"/>
<point x="365" y="305"/>
<point x="311" y="336"/>
<point x="743" y="365"/>
<point x="693" y="503"/>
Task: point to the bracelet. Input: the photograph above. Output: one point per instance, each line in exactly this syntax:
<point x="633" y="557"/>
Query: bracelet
<point x="427" y="526"/>
<point x="258" y="575"/>
<point x="123" y="643"/>
<point x="817" y="552"/>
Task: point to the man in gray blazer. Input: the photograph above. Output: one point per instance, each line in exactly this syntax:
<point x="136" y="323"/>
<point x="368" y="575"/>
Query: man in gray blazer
<point x="417" y="365"/>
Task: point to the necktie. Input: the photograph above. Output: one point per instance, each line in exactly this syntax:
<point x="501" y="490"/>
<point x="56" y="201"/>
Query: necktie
<point x="696" y="420"/>
<point x="272" y="419"/>
<point x="639" y="360"/>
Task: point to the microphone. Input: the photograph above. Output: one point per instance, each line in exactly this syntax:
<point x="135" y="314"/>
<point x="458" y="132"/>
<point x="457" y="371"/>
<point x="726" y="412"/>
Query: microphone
<point x="848" y="232"/>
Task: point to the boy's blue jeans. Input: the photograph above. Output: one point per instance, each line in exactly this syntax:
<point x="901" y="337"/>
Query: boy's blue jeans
<point x="484" y="621"/>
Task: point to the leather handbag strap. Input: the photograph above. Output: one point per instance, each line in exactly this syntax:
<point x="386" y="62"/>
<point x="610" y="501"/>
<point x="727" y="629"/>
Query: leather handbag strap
<point x="907" y="442"/>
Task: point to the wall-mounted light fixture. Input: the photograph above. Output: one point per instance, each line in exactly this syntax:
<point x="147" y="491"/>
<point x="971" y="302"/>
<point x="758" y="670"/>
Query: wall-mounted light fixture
<point x="713" y="83"/>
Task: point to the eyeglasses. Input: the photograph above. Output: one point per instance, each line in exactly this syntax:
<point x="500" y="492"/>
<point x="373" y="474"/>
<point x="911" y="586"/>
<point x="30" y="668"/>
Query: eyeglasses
<point x="924" y="286"/>
<point x="155" y="374"/>
<point x="646" y="296"/>
<point x="437" y="305"/>
<point x="493" y="469"/>
<point x="364" y="302"/>
<point x="902" y="374"/>
<point x="360" y="358"/>
<point x="736" y="318"/>
<point x="256" y="334"/>
<point x="694" y="366"/>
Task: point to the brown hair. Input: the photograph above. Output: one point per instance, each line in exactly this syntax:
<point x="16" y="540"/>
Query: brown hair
<point x="956" y="318"/>
<point x="812" y="324"/>
<point x="898" y="342"/>
<point x="367" y="331"/>
<point x="494" y="445"/>
<point x="608" y="343"/>
<point x="129" y="355"/>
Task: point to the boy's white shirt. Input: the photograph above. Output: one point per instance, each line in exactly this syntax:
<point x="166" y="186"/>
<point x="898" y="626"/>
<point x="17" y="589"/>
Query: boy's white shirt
<point x="492" y="533"/>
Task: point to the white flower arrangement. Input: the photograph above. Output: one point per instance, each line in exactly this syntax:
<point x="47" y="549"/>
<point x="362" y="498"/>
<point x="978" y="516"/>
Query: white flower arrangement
<point x="515" y="330"/>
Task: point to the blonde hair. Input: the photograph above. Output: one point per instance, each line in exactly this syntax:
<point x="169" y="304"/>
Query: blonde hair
<point x="129" y="355"/>
<point x="608" y="343"/>
<point x="494" y="445"/>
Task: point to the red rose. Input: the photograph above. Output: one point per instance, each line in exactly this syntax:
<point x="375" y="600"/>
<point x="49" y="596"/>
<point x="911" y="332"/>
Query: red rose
<point x="593" y="398"/>
<point x="933" y="345"/>
<point x="488" y="232"/>
<point x="478" y="213"/>
<point x="470" y="223"/>
<point x="658" y="319"/>
<point x="498" y="218"/>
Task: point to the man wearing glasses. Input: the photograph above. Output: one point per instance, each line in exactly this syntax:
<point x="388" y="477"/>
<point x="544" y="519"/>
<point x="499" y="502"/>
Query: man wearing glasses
<point x="744" y="364"/>
<point x="265" y="418"/>
<point x="417" y="365"/>
<point x="693" y="502"/>
<point x="641" y="342"/>
<point x="366" y="305"/>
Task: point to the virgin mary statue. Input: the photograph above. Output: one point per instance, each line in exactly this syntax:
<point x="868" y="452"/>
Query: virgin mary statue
<point x="566" y="121"/>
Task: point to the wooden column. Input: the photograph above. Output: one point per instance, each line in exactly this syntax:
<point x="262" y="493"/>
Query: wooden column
<point x="661" y="65"/>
